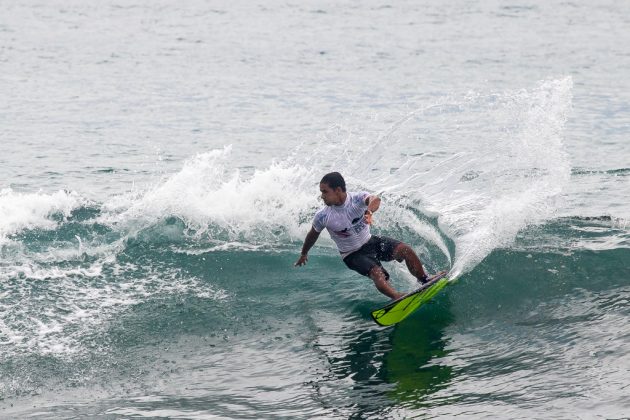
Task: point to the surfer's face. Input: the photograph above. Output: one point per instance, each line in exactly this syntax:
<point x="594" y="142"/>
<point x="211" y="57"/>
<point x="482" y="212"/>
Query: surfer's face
<point x="331" y="197"/>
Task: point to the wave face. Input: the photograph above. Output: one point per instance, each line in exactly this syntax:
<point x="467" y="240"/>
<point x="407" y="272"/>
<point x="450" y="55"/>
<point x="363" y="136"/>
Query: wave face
<point x="189" y="285"/>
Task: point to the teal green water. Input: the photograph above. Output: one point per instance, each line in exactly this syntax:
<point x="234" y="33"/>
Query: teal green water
<point x="159" y="169"/>
<point x="168" y="325"/>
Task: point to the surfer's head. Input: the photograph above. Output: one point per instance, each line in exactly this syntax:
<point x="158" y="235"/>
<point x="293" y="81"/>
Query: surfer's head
<point x="333" y="189"/>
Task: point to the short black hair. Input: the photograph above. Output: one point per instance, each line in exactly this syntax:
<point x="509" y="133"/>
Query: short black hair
<point x="334" y="180"/>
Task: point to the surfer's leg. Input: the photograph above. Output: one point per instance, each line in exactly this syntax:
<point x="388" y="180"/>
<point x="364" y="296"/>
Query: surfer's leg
<point x="377" y="274"/>
<point x="403" y="252"/>
<point x="367" y="264"/>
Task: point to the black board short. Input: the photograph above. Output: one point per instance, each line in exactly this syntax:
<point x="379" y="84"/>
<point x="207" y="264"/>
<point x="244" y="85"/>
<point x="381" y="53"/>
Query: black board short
<point x="377" y="249"/>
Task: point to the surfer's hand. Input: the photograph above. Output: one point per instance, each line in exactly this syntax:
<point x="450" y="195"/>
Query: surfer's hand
<point x="368" y="217"/>
<point x="301" y="261"/>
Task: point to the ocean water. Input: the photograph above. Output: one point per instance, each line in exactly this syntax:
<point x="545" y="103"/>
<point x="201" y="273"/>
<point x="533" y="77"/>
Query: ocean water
<point x="159" y="169"/>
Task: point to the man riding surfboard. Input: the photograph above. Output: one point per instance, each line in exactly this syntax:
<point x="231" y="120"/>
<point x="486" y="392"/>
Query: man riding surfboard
<point x="347" y="217"/>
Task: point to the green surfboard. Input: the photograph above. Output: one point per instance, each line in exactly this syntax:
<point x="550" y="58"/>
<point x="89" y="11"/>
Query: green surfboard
<point x="401" y="308"/>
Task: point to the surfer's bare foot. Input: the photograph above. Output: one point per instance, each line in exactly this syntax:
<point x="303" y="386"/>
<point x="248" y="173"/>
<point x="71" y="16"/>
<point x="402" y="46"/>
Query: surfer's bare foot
<point x="431" y="278"/>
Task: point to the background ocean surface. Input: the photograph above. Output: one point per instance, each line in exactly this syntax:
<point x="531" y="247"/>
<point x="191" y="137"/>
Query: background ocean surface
<point x="159" y="170"/>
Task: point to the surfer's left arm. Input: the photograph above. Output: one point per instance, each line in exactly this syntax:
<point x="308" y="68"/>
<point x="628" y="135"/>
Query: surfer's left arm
<point x="372" y="202"/>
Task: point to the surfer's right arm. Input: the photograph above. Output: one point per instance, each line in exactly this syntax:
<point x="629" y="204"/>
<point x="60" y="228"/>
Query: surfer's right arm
<point x="311" y="238"/>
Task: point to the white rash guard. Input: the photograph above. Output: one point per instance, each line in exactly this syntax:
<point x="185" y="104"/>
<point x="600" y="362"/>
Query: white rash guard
<point x="345" y="223"/>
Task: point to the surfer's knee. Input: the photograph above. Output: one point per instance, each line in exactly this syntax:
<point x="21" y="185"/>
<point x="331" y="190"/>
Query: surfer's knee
<point x="402" y="251"/>
<point x="377" y="273"/>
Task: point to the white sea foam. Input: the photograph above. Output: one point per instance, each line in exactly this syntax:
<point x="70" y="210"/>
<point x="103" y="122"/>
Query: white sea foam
<point x="226" y="246"/>
<point x="206" y="193"/>
<point x="20" y="211"/>
<point x="51" y="310"/>
<point x="522" y="171"/>
<point x="51" y="299"/>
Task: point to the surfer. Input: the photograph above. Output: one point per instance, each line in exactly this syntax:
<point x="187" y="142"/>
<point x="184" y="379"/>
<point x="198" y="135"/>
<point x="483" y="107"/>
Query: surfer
<point x="347" y="217"/>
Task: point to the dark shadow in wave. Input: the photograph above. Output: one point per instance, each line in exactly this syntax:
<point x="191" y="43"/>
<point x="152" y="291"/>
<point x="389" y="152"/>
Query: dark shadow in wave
<point x="374" y="370"/>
